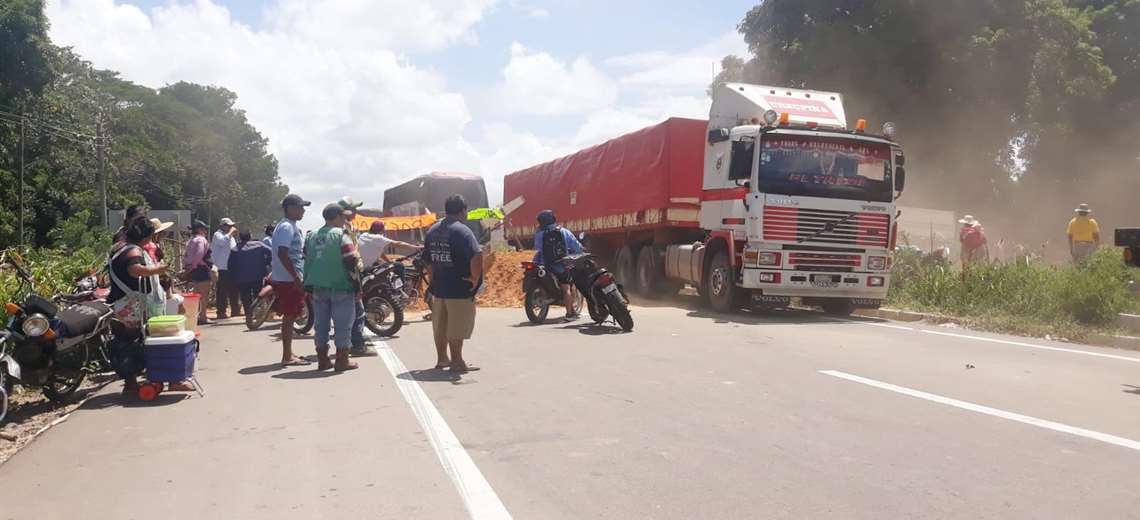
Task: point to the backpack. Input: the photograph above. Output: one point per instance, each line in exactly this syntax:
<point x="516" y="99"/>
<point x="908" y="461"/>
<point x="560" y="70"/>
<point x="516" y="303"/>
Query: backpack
<point x="553" y="245"/>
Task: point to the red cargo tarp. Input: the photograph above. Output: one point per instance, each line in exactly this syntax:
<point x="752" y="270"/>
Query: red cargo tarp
<point x="648" y="178"/>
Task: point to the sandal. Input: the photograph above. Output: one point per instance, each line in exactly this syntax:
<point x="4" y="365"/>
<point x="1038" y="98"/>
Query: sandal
<point x="465" y="368"/>
<point x="180" y="387"/>
<point x="297" y="362"/>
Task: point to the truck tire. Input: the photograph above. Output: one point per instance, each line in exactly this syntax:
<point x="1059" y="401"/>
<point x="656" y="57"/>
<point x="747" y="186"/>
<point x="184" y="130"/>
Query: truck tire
<point x="720" y="284"/>
<point x="648" y="279"/>
<point x="624" y="265"/>
<point x="840" y="307"/>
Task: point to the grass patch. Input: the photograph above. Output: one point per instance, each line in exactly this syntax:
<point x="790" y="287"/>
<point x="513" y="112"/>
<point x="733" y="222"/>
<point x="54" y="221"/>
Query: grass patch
<point x="1026" y="297"/>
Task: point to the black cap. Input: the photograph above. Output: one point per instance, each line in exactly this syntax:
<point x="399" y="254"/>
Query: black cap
<point x="333" y="210"/>
<point x="294" y="200"/>
<point x="198" y="224"/>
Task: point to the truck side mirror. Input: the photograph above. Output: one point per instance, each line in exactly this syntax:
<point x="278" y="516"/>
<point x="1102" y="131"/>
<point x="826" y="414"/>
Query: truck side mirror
<point x="719" y="135"/>
<point x="900" y="160"/>
<point x="900" y="178"/>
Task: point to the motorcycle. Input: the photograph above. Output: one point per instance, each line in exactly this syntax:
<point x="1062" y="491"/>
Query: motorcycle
<point x="263" y="306"/>
<point x="541" y="290"/>
<point x="414" y="287"/>
<point x="384" y="299"/>
<point x="46" y="346"/>
<point x="604" y="296"/>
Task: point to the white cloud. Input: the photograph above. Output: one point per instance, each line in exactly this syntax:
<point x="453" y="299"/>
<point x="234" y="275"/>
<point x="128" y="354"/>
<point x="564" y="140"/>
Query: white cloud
<point x="537" y="83"/>
<point x="530" y="9"/>
<point x="690" y="69"/>
<point x="325" y="81"/>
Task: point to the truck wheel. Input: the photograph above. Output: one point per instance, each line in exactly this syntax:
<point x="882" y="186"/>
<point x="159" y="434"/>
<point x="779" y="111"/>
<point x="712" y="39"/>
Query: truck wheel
<point x="720" y="284"/>
<point x="837" y="307"/>
<point x="623" y="265"/>
<point x="648" y="278"/>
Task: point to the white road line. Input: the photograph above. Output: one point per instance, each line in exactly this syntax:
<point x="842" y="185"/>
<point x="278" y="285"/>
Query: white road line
<point x="1025" y="419"/>
<point x="480" y="500"/>
<point x="884" y="325"/>
<point x="1031" y="345"/>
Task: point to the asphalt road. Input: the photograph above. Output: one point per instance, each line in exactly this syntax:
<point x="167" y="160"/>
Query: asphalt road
<point x="694" y="415"/>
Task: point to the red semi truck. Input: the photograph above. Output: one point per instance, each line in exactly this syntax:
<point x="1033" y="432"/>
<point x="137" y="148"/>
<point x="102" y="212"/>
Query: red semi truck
<point x="772" y="198"/>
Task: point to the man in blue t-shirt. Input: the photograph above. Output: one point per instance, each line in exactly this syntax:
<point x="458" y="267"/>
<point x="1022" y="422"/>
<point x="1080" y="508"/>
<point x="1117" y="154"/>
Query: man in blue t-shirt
<point x="554" y="243"/>
<point x="286" y="273"/>
<point x="454" y="267"/>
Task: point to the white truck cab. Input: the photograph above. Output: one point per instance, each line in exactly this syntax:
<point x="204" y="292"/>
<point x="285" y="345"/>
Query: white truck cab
<point x="795" y="204"/>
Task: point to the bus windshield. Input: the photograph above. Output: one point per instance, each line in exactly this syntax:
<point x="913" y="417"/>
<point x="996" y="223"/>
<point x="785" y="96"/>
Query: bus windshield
<point x="832" y="168"/>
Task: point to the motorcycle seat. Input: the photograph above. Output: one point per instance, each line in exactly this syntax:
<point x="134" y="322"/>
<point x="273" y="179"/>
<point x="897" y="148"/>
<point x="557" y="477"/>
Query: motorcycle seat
<point x="81" y="320"/>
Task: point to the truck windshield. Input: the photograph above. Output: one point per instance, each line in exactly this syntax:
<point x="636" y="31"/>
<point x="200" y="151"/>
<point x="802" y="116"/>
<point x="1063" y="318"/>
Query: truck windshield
<point x="823" y="167"/>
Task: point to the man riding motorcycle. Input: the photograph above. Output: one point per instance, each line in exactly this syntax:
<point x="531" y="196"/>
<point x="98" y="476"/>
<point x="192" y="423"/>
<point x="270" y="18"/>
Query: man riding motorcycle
<point x="554" y="243"/>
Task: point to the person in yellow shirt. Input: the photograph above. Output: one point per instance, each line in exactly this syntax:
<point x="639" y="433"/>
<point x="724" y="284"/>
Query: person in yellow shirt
<point x="1084" y="234"/>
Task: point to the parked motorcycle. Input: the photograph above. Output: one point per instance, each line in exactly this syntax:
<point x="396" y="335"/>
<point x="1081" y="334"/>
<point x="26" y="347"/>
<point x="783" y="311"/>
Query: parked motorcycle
<point x="604" y="296"/>
<point x="541" y="290"/>
<point x="46" y="346"/>
<point x="414" y="286"/>
<point x="263" y="306"/>
<point x="384" y="299"/>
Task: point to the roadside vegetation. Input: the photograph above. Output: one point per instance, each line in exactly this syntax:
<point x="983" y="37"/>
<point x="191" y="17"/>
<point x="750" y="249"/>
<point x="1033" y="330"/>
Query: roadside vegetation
<point x="1029" y="297"/>
<point x="79" y="249"/>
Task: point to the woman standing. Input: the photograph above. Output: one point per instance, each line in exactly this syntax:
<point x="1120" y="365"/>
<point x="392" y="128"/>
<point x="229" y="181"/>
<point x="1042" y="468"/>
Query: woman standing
<point x="199" y="268"/>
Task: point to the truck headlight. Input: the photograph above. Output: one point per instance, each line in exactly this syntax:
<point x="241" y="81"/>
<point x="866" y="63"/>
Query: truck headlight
<point x="768" y="258"/>
<point x="36" y="325"/>
<point x="877" y="263"/>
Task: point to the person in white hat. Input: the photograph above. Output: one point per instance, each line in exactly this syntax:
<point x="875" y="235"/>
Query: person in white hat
<point x="1084" y="234"/>
<point x="154" y="247"/>
<point x="973" y="239"/>
<point x="226" y="294"/>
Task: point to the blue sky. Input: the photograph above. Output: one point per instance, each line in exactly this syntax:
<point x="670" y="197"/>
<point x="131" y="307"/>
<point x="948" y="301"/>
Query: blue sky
<point x="358" y="95"/>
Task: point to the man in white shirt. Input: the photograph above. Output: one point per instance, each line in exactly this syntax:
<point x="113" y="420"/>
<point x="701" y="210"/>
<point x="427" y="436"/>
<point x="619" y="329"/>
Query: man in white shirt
<point x="374" y="245"/>
<point x="220" y="248"/>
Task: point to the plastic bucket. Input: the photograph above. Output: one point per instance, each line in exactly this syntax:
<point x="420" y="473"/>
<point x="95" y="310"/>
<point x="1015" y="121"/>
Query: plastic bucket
<point x="190" y="302"/>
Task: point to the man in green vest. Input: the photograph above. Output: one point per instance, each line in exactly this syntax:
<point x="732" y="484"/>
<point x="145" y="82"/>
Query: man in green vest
<point x="332" y="274"/>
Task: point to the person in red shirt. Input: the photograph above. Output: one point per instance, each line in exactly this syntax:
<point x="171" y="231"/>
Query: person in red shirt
<point x="973" y="238"/>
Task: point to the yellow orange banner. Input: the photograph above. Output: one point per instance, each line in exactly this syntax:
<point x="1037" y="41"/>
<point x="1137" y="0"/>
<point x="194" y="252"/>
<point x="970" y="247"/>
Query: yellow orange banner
<point x="362" y="223"/>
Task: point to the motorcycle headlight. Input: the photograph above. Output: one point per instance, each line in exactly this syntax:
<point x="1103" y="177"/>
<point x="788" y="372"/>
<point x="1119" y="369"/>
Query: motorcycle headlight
<point x="36" y="325"/>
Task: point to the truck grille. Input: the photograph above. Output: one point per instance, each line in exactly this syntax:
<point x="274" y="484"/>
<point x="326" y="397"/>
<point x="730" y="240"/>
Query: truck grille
<point x="799" y="224"/>
<point x="824" y="262"/>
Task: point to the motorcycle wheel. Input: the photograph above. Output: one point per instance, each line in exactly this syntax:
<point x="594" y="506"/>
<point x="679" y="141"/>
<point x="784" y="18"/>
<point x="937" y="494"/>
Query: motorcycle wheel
<point x="304" y="322"/>
<point x="66" y="376"/>
<point x="598" y="311"/>
<point x="619" y="307"/>
<point x="535" y="312"/>
<point x="3" y="402"/>
<point x="259" y="312"/>
<point x="378" y="308"/>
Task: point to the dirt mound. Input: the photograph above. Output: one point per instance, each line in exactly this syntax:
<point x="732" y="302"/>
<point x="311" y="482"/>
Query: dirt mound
<point x="504" y="279"/>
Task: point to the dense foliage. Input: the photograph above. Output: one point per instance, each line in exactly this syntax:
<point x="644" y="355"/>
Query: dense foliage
<point x="183" y="146"/>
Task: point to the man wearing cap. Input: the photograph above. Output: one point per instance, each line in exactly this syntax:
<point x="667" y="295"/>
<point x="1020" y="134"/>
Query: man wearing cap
<point x="1084" y="234"/>
<point x="360" y="345"/>
<point x="286" y="273"/>
<point x="332" y="273"/>
<point x="198" y="267"/>
<point x="221" y="247"/>
<point x="454" y="266"/>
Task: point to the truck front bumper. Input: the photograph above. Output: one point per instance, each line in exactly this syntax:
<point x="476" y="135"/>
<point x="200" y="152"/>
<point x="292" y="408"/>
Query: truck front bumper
<point x="810" y="284"/>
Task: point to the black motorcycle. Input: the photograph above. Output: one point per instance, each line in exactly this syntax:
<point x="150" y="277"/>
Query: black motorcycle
<point x="46" y="346"/>
<point x="384" y="299"/>
<point x="604" y="296"/>
<point x="541" y="290"/>
<point x="414" y="286"/>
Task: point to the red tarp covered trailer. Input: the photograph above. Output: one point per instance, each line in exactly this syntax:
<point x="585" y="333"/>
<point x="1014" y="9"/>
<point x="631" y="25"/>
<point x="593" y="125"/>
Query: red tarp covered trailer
<point x="644" y="180"/>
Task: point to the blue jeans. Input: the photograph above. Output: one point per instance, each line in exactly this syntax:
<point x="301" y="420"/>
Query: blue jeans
<point x="358" y="326"/>
<point x="333" y="309"/>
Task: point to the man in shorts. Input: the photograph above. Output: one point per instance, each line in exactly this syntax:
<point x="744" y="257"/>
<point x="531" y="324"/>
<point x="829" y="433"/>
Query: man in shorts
<point x="454" y="266"/>
<point x="286" y="272"/>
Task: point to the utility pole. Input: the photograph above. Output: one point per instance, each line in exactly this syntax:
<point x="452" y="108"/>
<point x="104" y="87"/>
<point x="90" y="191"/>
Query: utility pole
<point x="23" y="126"/>
<point x="99" y="152"/>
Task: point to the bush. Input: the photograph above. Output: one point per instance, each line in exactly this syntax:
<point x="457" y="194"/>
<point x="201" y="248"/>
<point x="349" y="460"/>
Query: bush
<point x="54" y="270"/>
<point x="1024" y="296"/>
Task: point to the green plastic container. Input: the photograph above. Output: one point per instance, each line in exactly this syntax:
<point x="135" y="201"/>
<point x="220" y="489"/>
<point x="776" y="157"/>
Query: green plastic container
<point x="164" y="326"/>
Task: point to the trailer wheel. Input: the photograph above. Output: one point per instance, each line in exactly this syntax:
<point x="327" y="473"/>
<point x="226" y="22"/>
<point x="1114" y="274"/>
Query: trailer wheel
<point x="648" y="279"/>
<point x="720" y="284"/>
<point x="624" y="266"/>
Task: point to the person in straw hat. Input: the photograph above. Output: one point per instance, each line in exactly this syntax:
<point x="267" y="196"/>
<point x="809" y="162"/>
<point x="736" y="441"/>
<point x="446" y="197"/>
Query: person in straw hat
<point x="972" y="236"/>
<point x="1084" y="234"/>
<point x="154" y="247"/>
